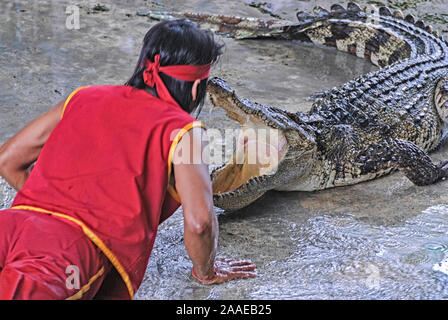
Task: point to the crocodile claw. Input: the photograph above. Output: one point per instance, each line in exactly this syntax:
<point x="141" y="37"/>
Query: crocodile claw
<point x="444" y="171"/>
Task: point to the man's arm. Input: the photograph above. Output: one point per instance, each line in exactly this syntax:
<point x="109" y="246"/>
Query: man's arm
<point x="200" y="223"/>
<point x="23" y="149"/>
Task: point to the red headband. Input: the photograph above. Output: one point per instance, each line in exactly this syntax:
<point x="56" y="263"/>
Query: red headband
<point x="181" y="72"/>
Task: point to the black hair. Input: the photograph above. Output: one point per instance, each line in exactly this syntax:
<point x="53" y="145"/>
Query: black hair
<point x="179" y="42"/>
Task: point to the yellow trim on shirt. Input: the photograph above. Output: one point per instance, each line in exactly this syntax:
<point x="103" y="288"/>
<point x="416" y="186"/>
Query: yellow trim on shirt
<point x="68" y="100"/>
<point x="94" y="238"/>
<point x="78" y="295"/>
<point x="172" y="191"/>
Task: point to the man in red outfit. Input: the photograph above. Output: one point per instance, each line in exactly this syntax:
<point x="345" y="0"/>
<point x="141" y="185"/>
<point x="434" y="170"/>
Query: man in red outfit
<point x="107" y="174"/>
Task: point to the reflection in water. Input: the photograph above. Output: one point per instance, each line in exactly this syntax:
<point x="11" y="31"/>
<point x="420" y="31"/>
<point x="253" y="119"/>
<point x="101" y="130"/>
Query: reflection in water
<point x="333" y="255"/>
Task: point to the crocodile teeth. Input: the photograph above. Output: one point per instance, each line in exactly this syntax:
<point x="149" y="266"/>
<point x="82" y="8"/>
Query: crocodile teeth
<point x="272" y="124"/>
<point x="253" y="180"/>
<point x="218" y="195"/>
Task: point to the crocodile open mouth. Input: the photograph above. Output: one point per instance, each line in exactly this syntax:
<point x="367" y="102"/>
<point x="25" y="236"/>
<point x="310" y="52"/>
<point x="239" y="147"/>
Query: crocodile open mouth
<point x="260" y="147"/>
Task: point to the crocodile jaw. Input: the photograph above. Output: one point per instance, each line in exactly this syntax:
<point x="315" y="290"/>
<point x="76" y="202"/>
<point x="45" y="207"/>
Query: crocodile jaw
<point x="274" y="144"/>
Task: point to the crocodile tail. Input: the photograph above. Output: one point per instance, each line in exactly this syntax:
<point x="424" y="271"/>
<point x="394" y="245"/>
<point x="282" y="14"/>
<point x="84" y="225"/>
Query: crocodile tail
<point x="230" y="26"/>
<point x="379" y="35"/>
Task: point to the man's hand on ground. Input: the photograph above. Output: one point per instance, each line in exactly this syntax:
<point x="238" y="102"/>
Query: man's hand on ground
<point x="227" y="269"/>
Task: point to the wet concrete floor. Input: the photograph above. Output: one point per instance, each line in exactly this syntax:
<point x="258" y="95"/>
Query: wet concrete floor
<point x="375" y="240"/>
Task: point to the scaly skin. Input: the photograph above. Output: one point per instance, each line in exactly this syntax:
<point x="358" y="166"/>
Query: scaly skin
<point x="366" y="128"/>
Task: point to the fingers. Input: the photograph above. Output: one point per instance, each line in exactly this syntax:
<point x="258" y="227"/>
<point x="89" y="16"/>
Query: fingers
<point x="235" y="265"/>
<point x="224" y="276"/>
<point x="239" y="271"/>
<point x="234" y="262"/>
<point x="230" y="268"/>
<point x="249" y="267"/>
<point x="243" y="274"/>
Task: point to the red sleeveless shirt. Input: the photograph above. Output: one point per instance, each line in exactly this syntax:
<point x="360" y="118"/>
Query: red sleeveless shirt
<point x="106" y="168"/>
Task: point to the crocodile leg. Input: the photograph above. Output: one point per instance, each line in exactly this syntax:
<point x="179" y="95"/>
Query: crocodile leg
<point x="405" y="156"/>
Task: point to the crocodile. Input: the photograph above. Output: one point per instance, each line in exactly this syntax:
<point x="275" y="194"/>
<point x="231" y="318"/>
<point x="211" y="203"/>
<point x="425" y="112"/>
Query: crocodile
<point x="380" y="122"/>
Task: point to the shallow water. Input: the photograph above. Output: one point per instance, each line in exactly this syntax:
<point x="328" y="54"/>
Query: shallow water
<point x="384" y="239"/>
